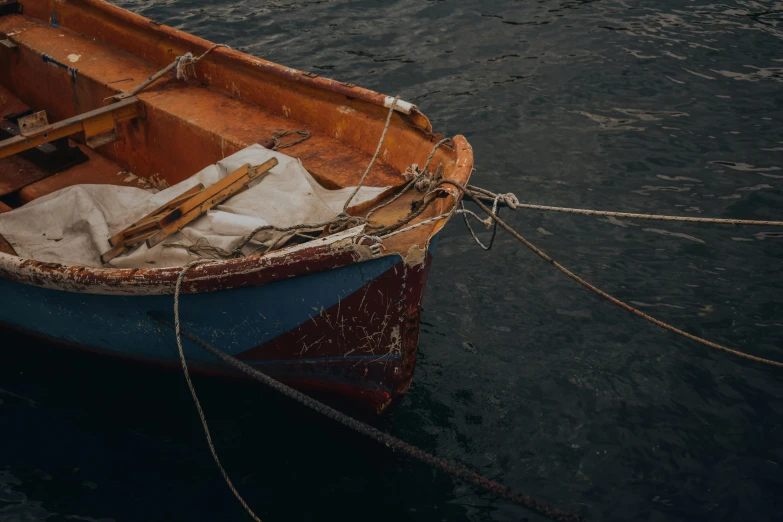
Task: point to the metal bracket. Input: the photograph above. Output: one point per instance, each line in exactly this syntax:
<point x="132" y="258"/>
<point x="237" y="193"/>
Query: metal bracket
<point x="52" y="157"/>
<point x="96" y="124"/>
<point x="29" y="125"/>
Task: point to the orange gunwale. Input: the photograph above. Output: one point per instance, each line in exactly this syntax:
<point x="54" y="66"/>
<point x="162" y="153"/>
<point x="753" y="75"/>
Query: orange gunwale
<point x="231" y="101"/>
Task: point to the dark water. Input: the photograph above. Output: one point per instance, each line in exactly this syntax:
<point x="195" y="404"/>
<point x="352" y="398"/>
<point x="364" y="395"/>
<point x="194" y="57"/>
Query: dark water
<point x="668" y="106"/>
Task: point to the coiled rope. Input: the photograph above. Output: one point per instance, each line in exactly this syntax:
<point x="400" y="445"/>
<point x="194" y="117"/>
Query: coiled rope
<point x="478" y="196"/>
<point x="450" y="467"/>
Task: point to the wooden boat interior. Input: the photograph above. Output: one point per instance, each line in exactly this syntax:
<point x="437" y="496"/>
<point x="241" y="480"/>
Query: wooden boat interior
<point x="69" y="58"/>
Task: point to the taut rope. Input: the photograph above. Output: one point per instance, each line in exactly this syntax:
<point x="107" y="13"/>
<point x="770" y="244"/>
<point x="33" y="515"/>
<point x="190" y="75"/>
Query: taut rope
<point x="610" y="298"/>
<point x="511" y="201"/>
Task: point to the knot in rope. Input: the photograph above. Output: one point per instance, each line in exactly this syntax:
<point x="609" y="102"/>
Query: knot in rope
<point x="181" y="63"/>
<point x="411" y="172"/>
<point x="187" y="60"/>
<point x="374" y="242"/>
<point x="421" y="179"/>
<point x="424" y="182"/>
<point x="509" y="199"/>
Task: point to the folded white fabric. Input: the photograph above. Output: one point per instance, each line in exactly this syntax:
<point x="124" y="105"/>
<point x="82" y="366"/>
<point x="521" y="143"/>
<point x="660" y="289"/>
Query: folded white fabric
<point x="73" y="225"/>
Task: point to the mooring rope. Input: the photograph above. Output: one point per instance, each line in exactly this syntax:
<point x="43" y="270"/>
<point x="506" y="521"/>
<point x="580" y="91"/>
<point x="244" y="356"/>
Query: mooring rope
<point x="610" y="298"/>
<point x="390" y="441"/>
<point x="511" y="201"/>
<point x="465" y="212"/>
<point x="177" y="331"/>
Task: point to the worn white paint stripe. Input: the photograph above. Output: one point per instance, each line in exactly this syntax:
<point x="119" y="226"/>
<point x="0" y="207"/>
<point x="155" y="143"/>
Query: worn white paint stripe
<point x="129" y="285"/>
<point x="401" y="106"/>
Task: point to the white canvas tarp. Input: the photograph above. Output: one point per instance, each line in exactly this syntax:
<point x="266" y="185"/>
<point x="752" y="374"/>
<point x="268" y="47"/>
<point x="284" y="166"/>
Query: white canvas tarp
<point x="73" y="225"/>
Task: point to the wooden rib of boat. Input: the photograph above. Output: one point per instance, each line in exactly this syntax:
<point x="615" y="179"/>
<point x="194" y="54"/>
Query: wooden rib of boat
<point x="331" y="315"/>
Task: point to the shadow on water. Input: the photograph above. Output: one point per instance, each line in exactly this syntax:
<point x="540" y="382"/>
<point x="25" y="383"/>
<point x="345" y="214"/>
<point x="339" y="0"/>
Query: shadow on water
<point x="60" y="409"/>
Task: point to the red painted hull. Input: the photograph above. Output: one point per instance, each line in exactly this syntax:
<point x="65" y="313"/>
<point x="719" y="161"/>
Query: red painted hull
<point x="361" y="352"/>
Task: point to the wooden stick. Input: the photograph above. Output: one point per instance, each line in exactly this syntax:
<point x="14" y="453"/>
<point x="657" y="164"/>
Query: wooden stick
<point x="239" y="177"/>
<point x="130" y="242"/>
<point x="140" y="238"/>
<point x="150" y="220"/>
<point x="199" y="205"/>
<point x="111" y="254"/>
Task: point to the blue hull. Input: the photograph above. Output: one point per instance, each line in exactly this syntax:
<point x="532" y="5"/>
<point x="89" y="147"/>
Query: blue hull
<point x="235" y="320"/>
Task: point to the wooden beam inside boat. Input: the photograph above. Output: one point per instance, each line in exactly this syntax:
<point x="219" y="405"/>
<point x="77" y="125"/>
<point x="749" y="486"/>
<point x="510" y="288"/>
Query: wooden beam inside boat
<point x="98" y="127"/>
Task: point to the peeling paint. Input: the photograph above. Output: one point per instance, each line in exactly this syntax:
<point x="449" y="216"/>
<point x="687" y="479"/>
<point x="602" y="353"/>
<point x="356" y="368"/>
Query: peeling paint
<point x="415" y="256"/>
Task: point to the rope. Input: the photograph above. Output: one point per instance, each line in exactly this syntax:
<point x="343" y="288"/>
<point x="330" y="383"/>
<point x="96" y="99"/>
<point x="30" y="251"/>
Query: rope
<point x="384" y="230"/>
<point x="342" y="221"/>
<point x="282" y="133"/>
<point x="417" y="225"/>
<point x="179" y="63"/>
<point x="432" y="152"/>
<point x="450" y="467"/>
<point x="416" y="178"/>
<point x="392" y="200"/>
<point x="188" y="60"/>
<point x="177" y="332"/>
<point x="511" y="201"/>
<point x="375" y="156"/>
<point x="201" y="248"/>
<point x="613" y="299"/>
<point x="465" y="213"/>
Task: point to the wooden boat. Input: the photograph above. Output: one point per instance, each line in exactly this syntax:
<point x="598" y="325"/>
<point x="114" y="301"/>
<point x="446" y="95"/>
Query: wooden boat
<point x="338" y="315"/>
